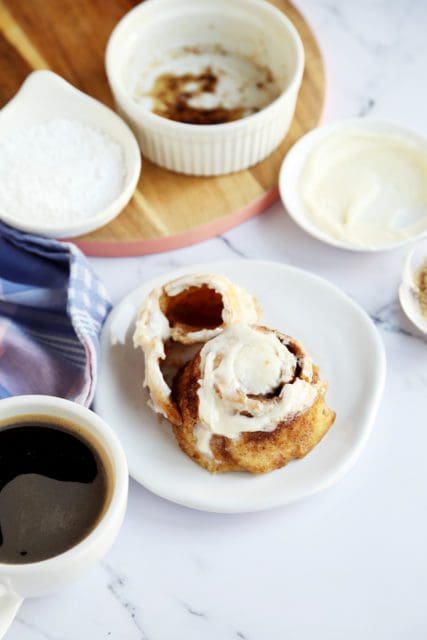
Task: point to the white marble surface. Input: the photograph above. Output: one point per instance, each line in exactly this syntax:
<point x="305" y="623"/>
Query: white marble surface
<point x="349" y="563"/>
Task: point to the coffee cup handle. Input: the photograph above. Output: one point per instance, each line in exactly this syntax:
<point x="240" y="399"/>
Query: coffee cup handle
<point x="9" y="605"/>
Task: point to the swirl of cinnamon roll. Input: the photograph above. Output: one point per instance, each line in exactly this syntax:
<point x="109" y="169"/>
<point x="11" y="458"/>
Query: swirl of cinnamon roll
<point x="189" y="310"/>
<point x="250" y="400"/>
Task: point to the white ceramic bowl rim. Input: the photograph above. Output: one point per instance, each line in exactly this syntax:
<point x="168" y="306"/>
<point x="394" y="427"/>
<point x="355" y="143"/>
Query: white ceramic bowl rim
<point x="321" y="132"/>
<point x="173" y="125"/>
<point x="114" y="451"/>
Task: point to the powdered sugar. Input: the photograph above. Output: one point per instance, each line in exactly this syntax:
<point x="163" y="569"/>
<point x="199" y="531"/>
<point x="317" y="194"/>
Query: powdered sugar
<point x="59" y="172"/>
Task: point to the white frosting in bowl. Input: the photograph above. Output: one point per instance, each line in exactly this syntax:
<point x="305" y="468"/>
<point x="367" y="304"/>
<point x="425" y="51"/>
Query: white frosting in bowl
<point x="367" y="188"/>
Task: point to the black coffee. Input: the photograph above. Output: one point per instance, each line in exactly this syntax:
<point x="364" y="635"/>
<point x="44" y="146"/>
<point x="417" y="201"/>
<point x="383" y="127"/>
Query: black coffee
<point x="54" y="488"/>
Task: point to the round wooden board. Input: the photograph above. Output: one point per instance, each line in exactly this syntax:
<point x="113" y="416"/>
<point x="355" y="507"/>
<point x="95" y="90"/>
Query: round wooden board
<point x="168" y="210"/>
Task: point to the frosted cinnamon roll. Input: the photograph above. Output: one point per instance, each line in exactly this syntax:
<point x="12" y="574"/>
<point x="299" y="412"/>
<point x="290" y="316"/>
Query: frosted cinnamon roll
<point x="188" y="310"/>
<point x="250" y="400"/>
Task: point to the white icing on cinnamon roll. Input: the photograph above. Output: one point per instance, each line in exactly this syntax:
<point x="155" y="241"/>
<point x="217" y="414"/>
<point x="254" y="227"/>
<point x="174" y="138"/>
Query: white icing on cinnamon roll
<point x="251" y="379"/>
<point x="188" y="310"/>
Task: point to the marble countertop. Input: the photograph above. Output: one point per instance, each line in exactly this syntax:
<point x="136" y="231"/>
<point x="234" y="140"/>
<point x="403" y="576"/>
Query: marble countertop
<point x="350" y="562"/>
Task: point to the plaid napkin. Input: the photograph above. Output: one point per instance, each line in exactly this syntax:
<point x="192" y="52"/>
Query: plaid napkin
<point x="52" y="307"/>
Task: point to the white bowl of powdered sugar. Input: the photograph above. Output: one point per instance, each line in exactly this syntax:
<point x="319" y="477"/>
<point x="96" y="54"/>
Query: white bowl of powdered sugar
<point x="68" y="164"/>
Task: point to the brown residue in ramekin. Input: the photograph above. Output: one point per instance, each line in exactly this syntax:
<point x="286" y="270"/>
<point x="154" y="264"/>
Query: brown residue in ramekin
<point x="172" y="97"/>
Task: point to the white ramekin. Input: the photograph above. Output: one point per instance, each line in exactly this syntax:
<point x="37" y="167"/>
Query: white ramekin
<point x="253" y="28"/>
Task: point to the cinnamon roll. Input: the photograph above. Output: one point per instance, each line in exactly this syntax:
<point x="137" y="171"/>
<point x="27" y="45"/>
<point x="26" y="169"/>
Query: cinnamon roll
<point x="189" y="310"/>
<point x="250" y="400"/>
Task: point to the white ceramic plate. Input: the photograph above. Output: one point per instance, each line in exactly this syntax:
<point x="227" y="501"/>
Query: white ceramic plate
<point x="45" y="95"/>
<point x="296" y="158"/>
<point x="336" y="332"/>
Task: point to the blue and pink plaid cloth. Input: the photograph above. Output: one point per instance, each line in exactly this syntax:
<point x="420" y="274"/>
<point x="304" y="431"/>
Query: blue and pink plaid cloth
<point x="52" y="307"/>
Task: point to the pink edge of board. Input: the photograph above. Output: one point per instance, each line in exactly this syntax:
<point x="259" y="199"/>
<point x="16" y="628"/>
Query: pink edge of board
<point x="116" y="249"/>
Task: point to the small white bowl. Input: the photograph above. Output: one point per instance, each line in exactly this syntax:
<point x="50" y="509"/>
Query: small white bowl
<point x="294" y="163"/>
<point x="255" y="29"/>
<point x="408" y="290"/>
<point x="45" y="95"/>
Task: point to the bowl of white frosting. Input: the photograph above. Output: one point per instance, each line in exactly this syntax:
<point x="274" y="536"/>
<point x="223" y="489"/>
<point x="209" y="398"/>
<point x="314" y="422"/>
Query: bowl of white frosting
<point x="68" y="164"/>
<point x="358" y="184"/>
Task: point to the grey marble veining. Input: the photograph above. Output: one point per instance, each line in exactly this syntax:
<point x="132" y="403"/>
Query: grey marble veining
<point x="117" y="587"/>
<point x="390" y="317"/>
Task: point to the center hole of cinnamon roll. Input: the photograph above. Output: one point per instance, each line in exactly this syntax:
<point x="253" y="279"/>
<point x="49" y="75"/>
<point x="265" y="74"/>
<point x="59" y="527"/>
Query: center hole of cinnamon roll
<point x="195" y="308"/>
<point x="258" y="369"/>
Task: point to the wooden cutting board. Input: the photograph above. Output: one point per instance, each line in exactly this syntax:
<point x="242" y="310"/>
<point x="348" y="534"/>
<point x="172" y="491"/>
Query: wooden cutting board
<point x="168" y="210"/>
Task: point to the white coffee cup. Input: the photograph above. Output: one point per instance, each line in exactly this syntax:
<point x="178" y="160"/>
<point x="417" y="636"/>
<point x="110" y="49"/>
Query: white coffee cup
<point x="19" y="581"/>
